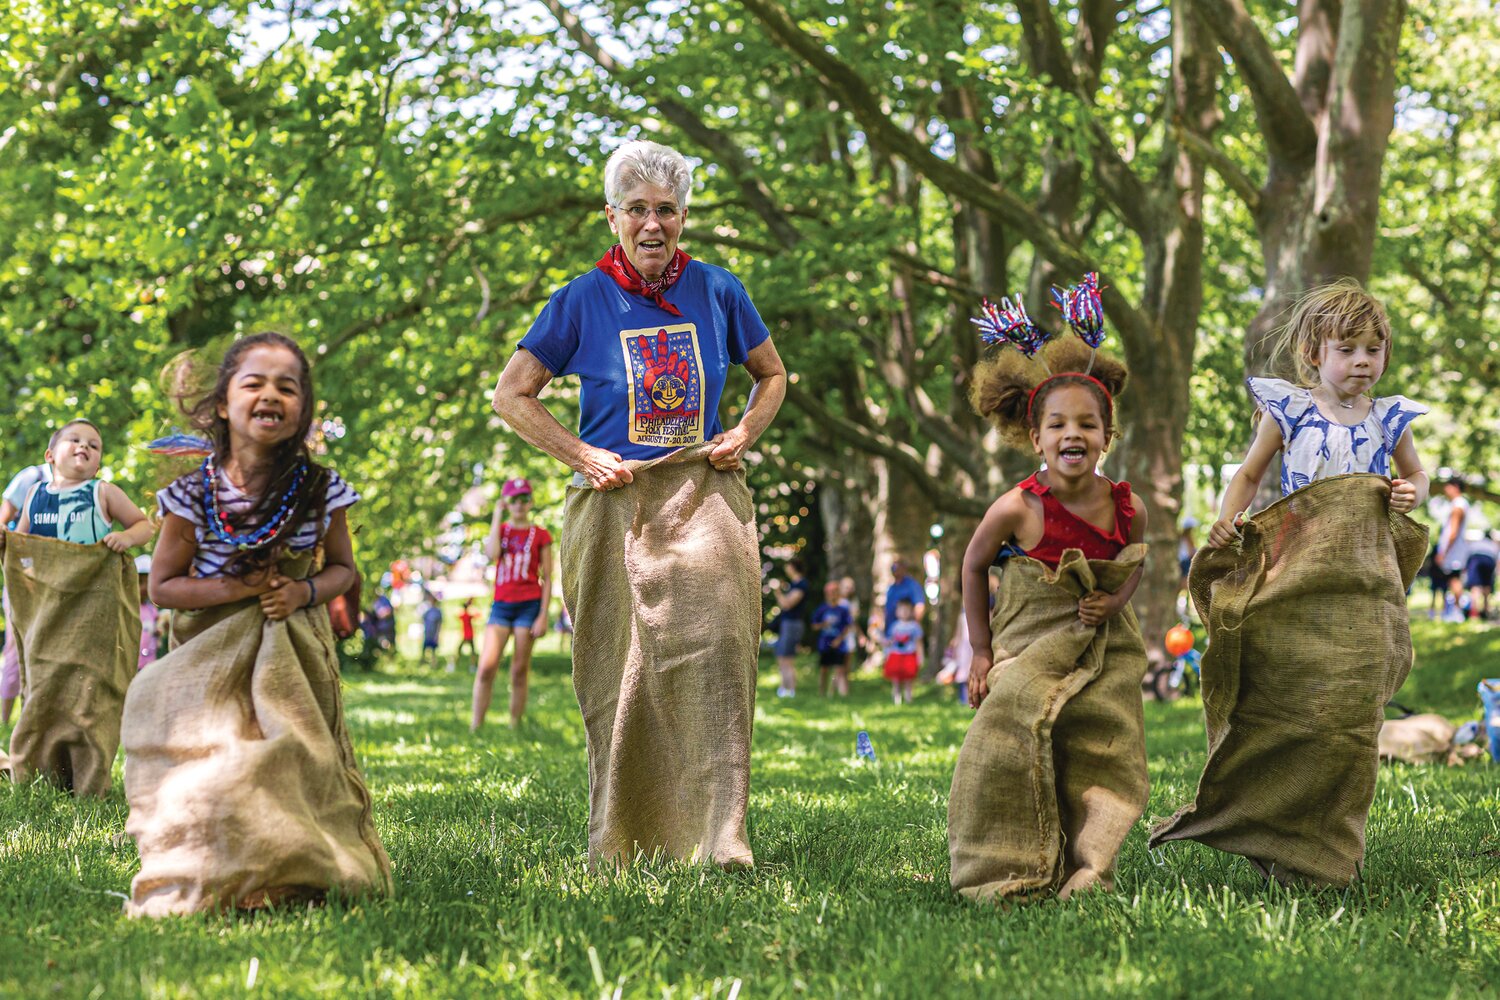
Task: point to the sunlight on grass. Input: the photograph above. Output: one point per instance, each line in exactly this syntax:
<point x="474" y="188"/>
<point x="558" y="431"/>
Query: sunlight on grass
<point x="494" y="895"/>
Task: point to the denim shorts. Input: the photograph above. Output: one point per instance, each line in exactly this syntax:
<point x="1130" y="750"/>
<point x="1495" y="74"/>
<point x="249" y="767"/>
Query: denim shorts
<point x="515" y="614"/>
<point x="789" y="636"/>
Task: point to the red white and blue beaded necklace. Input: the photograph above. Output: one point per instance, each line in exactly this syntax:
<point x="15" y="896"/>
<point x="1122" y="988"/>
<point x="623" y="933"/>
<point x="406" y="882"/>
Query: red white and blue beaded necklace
<point x="218" y="519"/>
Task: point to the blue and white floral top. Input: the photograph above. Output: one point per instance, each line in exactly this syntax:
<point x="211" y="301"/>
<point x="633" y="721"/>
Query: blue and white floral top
<point x="1314" y="447"/>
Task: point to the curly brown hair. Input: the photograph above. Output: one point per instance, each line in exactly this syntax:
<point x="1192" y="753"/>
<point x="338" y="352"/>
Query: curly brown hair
<point x="199" y="390"/>
<point x="1002" y="386"/>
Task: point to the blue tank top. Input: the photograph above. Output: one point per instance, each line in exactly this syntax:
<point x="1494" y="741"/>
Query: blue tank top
<point x="72" y="515"/>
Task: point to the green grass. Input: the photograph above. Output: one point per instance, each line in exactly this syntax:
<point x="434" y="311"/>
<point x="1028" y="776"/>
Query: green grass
<point x="849" y="896"/>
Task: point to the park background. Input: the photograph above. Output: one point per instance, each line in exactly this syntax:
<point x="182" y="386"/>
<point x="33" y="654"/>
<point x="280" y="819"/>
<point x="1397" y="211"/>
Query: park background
<point x="401" y="185"/>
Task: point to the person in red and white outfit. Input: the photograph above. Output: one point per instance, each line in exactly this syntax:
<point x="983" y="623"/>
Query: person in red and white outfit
<point x="522" y="551"/>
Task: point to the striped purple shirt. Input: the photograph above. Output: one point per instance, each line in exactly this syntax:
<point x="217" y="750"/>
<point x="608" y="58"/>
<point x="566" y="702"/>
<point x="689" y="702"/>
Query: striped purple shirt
<point x="214" y="554"/>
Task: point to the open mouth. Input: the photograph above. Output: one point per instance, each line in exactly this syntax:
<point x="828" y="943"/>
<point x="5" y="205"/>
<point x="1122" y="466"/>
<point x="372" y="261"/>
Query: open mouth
<point x="651" y="246"/>
<point x="1073" y="454"/>
<point x="267" y="418"/>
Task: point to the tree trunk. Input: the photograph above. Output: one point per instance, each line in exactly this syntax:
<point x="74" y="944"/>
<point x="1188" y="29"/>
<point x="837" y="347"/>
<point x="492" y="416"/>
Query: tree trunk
<point x="849" y="524"/>
<point x="1320" y="204"/>
<point x="1154" y="410"/>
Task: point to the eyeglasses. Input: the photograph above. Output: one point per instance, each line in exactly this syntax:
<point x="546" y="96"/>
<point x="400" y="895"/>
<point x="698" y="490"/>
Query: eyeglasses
<point x="640" y="213"/>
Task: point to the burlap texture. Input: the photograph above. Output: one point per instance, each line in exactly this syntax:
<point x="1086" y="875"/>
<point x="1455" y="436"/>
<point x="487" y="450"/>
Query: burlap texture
<point x="1052" y="773"/>
<point x="1308" y="638"/>
<point x="662" y="580"/>
<point x="1418" y="739"/>
<point x="76" y="614"/>
<point x="241" y="779"/>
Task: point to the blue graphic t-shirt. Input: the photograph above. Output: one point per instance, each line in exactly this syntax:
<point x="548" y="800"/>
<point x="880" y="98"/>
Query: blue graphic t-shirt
<point x="72" y="515"/>
<point x="905" y="637"/>
<point x="831" y="620"/>
<point x="650" y="381"/>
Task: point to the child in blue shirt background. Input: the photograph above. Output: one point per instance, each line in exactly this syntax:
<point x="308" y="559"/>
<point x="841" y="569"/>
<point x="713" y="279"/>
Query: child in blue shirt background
<point x="903" y="657"/>
<point x="833" y="620"/>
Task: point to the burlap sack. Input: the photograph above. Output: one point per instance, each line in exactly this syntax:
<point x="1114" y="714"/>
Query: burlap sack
<point x="1308" y="638"/>
<point x="1052" y="774"/>
<point x="241" y="779"/>
<point x="1418" y="739"/>
<point x="76" y="613"/>
<point x="662" y="580"/>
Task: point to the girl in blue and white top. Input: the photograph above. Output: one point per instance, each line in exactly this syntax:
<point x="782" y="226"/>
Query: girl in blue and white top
<point x="1339" y="340"/>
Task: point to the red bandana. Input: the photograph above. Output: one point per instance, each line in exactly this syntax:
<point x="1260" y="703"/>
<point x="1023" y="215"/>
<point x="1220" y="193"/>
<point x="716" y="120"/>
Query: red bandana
<point x="615" y="264"/>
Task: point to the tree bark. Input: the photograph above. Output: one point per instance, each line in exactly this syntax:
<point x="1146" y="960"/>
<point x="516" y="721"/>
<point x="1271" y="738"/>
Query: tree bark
<point x="1320" y="203"/>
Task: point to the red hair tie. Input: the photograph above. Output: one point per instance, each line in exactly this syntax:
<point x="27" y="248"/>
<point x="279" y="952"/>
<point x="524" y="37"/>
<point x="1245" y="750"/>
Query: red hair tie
<point x="1109" y="400"/>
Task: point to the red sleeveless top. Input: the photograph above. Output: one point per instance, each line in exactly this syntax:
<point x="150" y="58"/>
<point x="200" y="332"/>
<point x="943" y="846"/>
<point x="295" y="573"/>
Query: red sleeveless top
<point x="1062" y="529"/>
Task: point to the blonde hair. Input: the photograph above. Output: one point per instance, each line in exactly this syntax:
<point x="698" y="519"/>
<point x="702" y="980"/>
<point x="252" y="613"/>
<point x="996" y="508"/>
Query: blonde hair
<point x="1339" y="310"/>
<point x="1003" y="384"/>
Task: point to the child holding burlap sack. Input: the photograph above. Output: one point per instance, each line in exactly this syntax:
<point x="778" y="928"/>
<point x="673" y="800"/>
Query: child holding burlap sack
<point x="1305" y="602"/>
<point x="72" y="599"/>
<point x="241" y="778"/>
<point x="1052" y="773"/>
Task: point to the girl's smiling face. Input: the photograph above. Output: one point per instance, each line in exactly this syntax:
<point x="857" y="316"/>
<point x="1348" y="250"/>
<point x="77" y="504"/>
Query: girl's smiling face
<point x="265" y="397"/>
<point x="1071" y="434"/>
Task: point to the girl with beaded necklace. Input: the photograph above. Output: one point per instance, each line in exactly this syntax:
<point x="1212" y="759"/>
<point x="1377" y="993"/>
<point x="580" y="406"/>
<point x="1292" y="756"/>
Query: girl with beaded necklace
<point x="241" y="727"/>
<point x="258" y="496"/>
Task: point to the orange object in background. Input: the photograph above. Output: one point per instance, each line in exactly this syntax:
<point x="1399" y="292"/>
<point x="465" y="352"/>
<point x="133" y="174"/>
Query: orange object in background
<point x="1179" y="640"/>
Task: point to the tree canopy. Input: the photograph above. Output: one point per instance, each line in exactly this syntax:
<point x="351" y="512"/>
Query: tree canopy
<point x="400" y="185"/>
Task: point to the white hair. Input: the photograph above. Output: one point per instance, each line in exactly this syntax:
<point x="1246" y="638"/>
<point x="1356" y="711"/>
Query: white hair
<point x="640" y="161"/>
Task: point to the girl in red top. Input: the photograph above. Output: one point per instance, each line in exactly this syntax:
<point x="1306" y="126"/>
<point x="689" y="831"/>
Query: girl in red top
<point x="466" y="618"/>
<point x="522" y="552"/>
<point x="1067" y="419"/>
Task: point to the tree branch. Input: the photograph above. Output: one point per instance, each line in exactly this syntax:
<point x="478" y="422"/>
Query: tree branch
<point x="898" y="453"/>
<point x="1289" y="132"/>
<point x="724" y="149"/>
<point x="1440" y="295"/>
<point x="870" y="110"/>
<point x="923" y="271"/>
<point x="1044" y="45"/>
<point x="1235" y="178"/>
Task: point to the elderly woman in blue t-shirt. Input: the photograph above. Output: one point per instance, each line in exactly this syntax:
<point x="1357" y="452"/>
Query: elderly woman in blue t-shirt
<point x="660" y="565"/>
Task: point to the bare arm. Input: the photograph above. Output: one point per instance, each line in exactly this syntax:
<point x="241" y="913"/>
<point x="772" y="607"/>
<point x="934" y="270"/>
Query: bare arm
<point x="1409" y="488"/>
<point x="516" y="401"/>
<point x="766" y="395"/>
<point x="492" y="541"/>
<point x="1097" y="607"/>
<point x="998" y="526"/>
<point x="544" y="570"/>
<point x="8" y="512"/>
<point x="1245" y="482"/>
<point x="1452" y="531"/>
<point x="24" y="524"/>
<point x="170" y="586"/>
<point x="118" y="507"/>
<point x="337" y="575"/>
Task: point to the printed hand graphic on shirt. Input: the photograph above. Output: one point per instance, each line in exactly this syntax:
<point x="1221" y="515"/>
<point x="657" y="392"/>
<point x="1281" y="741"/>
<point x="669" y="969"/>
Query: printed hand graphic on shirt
<point x="667" y="374"/>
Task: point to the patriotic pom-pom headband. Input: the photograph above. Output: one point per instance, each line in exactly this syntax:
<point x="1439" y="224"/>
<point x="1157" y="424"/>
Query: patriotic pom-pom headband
<point x="1082" y="307"/>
